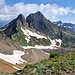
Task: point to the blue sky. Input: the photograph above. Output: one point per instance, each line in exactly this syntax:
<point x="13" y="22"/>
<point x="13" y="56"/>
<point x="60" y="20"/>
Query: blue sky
<point x="64" y="3"/>
<point x="53" y="10"/>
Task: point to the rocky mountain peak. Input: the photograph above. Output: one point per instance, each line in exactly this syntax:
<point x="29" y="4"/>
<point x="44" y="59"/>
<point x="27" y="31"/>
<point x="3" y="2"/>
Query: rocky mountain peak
<point x="22" y="19"/>
<point x="11" y="28"/>
<point x="37" y="21"/>
<point x="21" y="16"/>
<point x="40" y="23"/>
<point x="38" y="13"/>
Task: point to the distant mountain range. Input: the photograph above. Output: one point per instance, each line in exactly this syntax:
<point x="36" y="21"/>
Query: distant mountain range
<point x="67" y="26"/>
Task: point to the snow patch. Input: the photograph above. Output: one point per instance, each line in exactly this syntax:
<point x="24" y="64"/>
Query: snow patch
<point x="53" y="42"/>
<point x="16" y="68"/>
<point x="69" y="27"/>
<point x="52" y="46"/>
<point x="28" y="39"/>
<point x="59" y="40"/>
<point x="39" y="47"/>
<point x="15" y="58"/>
<point x="29" y="33"/>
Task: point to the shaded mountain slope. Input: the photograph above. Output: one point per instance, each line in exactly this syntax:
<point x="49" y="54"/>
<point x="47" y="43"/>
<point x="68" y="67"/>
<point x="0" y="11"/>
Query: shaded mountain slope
<point x="11" y="28"/>
<point x="38" y="22"/>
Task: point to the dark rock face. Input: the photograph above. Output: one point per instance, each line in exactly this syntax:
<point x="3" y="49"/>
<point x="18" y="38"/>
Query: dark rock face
<point x="22" y="19"/>
<point x="40" y="23"/>
<point x="11" y="28"/>
<point x="37" y="21"/>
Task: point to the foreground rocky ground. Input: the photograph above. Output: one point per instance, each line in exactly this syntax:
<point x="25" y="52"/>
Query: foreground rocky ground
<point x="33" y="56"/>
<point x="55" y="65"/>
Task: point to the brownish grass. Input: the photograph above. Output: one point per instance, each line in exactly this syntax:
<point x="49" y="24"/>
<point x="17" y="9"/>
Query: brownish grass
<point x="8" y="67"/>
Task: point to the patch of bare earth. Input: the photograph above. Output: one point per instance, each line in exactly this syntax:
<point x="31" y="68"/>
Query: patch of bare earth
<point x="8" y="67"/>
<point x="7" y="46"/>
<point x="35" y="55"/>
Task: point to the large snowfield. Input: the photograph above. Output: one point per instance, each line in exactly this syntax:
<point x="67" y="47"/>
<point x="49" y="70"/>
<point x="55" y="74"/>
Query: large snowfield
<point x="29" y="33"/>
<point x="15" y="58"/>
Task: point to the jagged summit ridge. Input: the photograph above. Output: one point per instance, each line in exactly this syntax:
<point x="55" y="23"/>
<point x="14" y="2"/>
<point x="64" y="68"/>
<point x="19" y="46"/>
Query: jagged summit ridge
<point x="21" y="16"/>
<point x="40" y="23"/>
<point x="38" y="13"/>
<point x="22" y="19"/>
<point x="11" y="28"/>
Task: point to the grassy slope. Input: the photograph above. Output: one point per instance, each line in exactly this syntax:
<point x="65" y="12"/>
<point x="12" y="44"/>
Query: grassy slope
<point x="59" y="65"/>
<point x="20" y="38"/>
<point x="35" y="41"/>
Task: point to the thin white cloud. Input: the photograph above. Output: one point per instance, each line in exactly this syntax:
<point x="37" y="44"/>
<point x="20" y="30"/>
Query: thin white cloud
<point x="73" y="11"/>
<point x="2" y="2"/>
<point x="51" y="11"/>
